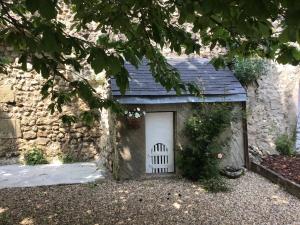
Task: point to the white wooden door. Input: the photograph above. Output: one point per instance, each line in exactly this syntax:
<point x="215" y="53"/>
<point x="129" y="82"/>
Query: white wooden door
<point x="159" y="142"/>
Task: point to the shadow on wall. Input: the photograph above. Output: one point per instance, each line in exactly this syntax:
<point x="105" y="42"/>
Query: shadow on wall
<point x="77" y="141"/>
<point x="28" y="124"/>
<point x="9" y="132"/>
<point x="272" y="107"/>
<point x="10" y="129"/>
<point x="83" y="143"/>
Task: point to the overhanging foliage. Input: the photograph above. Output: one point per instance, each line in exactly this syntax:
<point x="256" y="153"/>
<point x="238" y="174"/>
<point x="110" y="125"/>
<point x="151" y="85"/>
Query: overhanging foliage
<point x="242" y="27"/>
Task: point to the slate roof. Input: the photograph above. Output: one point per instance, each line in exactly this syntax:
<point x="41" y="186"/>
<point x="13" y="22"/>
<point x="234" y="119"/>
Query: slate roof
<point x="216" y="84"/>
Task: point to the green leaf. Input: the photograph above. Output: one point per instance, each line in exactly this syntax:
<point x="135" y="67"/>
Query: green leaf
<point x="114" y="64"/>
<point x="284" y="35"/>
<point x="84" y="90"/>
<point x="296" y="53"/>
<point x="49" y="41"/>
<point x="264" y="29"/>
<point x="45" y="71"/>
<point x="122" y="80"/>
<point x="97" y="59"/>
<point x="47" y="8"/>
<point x="32" y="5"/>
<point x="69" y="119"/>
<point x="45" y="88"/>
<point x="89" y="117"/>
<point x="23" y="61"/>
<point x="51" y="108"/>
<point x="218" y="62"/>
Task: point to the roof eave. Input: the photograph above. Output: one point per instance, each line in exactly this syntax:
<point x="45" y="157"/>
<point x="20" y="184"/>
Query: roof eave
<point x="148" y="100"/>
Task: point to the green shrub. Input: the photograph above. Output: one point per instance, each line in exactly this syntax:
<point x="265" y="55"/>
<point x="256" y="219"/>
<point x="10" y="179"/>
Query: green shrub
<point x="285" y="145"/>
<point x="199" y="160"/>
<point x="34" y="156"/>
<point x="248" y="70"/>
<point x="67" y="158"/>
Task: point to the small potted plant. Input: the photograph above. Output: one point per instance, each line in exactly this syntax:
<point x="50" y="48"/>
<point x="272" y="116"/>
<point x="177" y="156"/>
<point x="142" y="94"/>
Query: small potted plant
<point x="133" y="117"/>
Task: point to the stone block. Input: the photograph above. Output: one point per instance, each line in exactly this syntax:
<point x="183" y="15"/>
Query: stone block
<point x="43" y="121"/>
<point x="7" y="94"/>
<point x="29" y="135"/>
<point x="42" y="141"/>
<point x="10" y="128"/>
<point x="42" y="133"/>
<point x="60" y="135"/>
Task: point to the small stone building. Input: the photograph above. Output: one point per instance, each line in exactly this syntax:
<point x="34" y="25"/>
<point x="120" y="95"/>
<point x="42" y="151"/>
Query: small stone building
<point x="150" y="143"/>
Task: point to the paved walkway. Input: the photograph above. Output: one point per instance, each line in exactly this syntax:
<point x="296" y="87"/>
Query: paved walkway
<point x="49" y="174"/>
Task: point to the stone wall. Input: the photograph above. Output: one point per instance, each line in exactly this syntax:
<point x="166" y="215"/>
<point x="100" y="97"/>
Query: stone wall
<point x="272" y="108"/>
<point x="25" y="122"/>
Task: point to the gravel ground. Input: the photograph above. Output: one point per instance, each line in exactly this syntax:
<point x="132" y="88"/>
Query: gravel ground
<point x="253" y="200"/>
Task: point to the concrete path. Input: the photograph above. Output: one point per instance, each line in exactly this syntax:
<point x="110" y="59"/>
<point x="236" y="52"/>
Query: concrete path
<point x="49" y="174"/>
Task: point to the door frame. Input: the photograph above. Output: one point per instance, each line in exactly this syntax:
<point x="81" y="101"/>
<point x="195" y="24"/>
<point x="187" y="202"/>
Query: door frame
<point x="174" y="116"/>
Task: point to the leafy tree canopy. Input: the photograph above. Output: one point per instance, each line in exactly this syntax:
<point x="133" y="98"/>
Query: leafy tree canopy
<point x="264" y="28"/>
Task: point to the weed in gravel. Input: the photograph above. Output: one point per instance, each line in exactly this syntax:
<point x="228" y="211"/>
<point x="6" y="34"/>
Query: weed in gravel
<point x="215" y="185"/>
<point x="92" y="185"/>
<point x="4" y="218"/>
